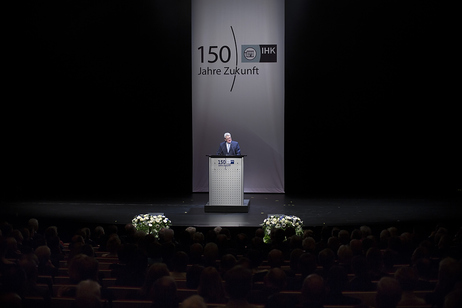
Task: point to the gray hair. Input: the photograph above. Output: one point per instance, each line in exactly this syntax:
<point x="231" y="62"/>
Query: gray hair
<point x="226" y="135"/>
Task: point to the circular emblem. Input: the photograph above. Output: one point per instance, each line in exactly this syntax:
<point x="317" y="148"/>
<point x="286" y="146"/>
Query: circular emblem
<point x="250" y="53"/>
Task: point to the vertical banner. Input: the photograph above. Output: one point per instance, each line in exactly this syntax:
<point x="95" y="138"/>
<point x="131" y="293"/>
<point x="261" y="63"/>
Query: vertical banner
<point x="238" y="87"/>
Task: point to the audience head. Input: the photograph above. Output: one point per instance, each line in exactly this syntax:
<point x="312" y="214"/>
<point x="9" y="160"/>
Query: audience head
<point x="294" y="258"/>
<point x="33" y="225"/>
<point x="374" y="258"/>
<point x="43" y="254"/>
<point x="275" y="258"/>
<point x="359" y="266"/>
<point x="88" y="288"/>
<point x="448" y="273"/>
<point x="344" y="237"/>
<point x="238" y="282"/>
<point x="166" y="235"/>
<point x="195" y="253"/>
<point x="10" y="300"/>
<point x="453" y="299"/>
<point x="407" y="278"/>
<point x="313" y="289"/>
<point x="356" y="247"/>
<point x="309" y="244"/>
<point x="113" y="244"/>
<point x="180" y="261"/>
<point x="194" y="301"/>
<point x="163" y="293"/>
<point x="365" y="231"/>
<point x="193" y="276"/>
<point x="83" y="267"/>
<point x="344" y="254"/>
<point x="326" y="258"/>
<point x="388" y="293"/>
<point x="211" y="254"/>
<point x="88" y="294"/>
<point x="211" y="285"/>
<point x="307" y="264"/>
<point x="155" y="271"/>
<point x="228" y="261"/>
<point x="356" y="235"/>
<point x="337" y="279"/>
<point x="98" y="232"/>
<point x="275" y="279"/>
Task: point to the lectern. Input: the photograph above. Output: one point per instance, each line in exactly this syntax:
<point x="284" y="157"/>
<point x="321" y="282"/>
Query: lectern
<point x="226" y="185"/>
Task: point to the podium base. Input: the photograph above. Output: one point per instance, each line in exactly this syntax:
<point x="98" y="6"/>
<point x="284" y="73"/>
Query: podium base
<point x="208" y="208"/>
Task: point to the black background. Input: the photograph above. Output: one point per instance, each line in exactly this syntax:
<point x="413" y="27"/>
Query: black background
<point x="98" y="99"/>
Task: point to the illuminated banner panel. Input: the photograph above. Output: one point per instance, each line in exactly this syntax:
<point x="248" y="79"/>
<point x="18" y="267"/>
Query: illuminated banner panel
<point x="238" y="87"/>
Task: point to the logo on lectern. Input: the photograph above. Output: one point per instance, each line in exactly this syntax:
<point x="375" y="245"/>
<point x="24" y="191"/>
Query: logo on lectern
<point x="259" y="53"/>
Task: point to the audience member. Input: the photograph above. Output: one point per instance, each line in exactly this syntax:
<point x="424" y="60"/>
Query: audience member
<point x="36" y="237"/>
<point x="344" y="256"/>
<point x="449" y="273"/>
<point x="307" y="266"/>
<point x="275" y="258"/>
<point x="179" y="265"/>
<point x="99" y="236"/>
<point x="211" y="286"/>
<point x="132" y="268"/>
<point x="326" y="259"/>
<point x="388" y="293"/>
<point x="238" y="284"/>
<point x="155" y="271"/>
<point x="29" y="266"/>
<point x="86" y="233"/>
<point x="211" y="254"/>
<point x="313" y="291"/>
<point x="83" y="267"/>
<point x="375" y="262"/>
<point x="356" y="247"/>
<point x="453" y="299"/>
<point x="112" y="246"/>
<point x="241" y="244"/>
<point x="195" y="253"/>
<point x="407" y="278"/>
<point x="294" y="269"/>
<point x="88" y="294"/>
<point x="309" y="244"/>
<point x="366" y="231"/>
<point x="361" y="280"/>
<point x="193" y="276"/>
<point x="227" y="262"/>
<point x="278" y="241"/>
<point x="274" y="282"/>
<point x="108" y="231"/>
<point x="129" y="235"/>
<point x="423" y="268"/>
<point x="336" y="283"/>
<point x="194" y="301"/>
<point x="12" y="251"/>
<point x="344" y="237"/>
<point x="45" y="266"/>
<point x="164" y="293"/>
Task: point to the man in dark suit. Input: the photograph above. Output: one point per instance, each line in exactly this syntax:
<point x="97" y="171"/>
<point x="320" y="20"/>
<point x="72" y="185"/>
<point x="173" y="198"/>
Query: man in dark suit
<point x="229" y="147"/>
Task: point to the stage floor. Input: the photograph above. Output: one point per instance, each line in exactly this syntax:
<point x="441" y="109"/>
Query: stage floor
<point x="189" y="210"/>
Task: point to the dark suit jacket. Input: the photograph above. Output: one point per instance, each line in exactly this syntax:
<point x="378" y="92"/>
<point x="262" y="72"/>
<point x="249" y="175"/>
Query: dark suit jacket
<point x="233" y="149"/>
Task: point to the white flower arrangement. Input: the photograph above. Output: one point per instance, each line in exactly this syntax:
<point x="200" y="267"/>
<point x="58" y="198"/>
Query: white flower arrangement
<point x="281" y="222"/>
<point x="151" y="224"/>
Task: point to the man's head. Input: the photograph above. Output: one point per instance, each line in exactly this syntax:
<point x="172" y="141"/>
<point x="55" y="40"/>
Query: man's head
<point x="228" y="137"/>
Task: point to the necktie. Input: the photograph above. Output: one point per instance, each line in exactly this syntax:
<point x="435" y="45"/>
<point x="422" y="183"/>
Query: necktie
<point x="227" y="144"/>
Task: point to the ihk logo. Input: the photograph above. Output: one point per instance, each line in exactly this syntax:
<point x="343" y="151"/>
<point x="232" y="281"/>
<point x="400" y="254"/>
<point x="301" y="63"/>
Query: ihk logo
<point x="259" y="53"/>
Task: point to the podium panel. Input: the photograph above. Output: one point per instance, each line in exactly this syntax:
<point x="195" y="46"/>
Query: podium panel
<point x="226" y="184"/>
